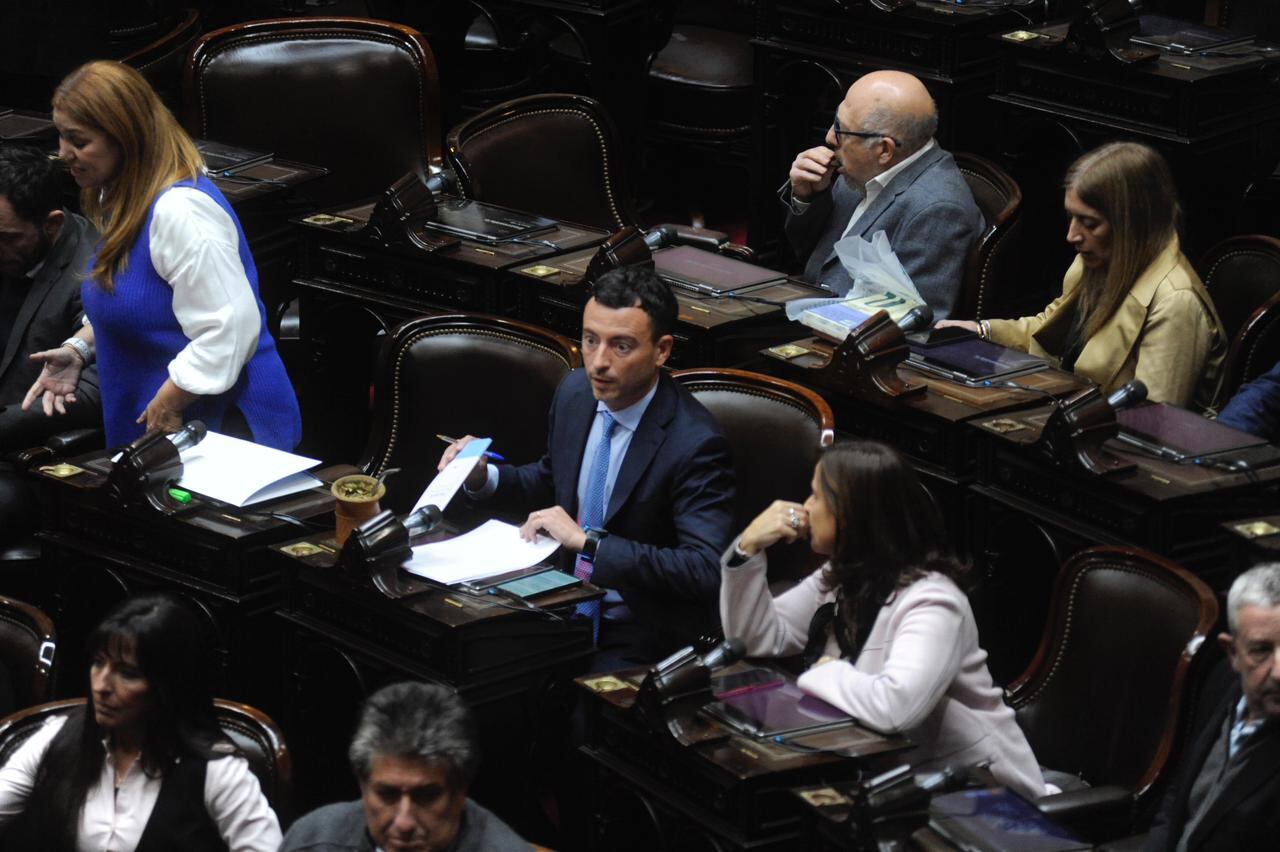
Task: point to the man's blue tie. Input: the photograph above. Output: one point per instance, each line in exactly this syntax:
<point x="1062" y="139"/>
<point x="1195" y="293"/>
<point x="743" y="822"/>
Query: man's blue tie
<point x="591" y="514"/>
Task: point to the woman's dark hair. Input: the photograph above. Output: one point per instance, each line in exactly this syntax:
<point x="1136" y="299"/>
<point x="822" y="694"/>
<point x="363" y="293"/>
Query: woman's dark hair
<point x="889" y="533"/>
<point x="178" y="721"/>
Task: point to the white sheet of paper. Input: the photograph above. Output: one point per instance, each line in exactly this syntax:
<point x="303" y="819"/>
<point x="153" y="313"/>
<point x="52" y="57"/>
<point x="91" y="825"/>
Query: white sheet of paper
<point x="242" y="472"/>
<point x="449" y="480"/>
<point x="490" y="549"/>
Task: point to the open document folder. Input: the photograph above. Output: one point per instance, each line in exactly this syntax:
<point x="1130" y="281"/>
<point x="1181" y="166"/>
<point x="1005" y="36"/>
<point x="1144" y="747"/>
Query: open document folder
<point x="490" y="549"/>
<point x="242" y="472"/>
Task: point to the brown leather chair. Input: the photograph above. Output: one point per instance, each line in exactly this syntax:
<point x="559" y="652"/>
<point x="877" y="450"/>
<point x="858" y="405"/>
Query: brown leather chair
<point x="460" y="374"/>
<point x="557" y="155"/>
<point x="1254" y="350"/>
<point x="162" y="60"/>
<point x="1242" y="275"/>
<point x="1102" y="698"/>
<point x="701" y="82"/>
<point x="28" y="642"/>
<point x="250" y="730"/>
<point x="776" y="429"/>
<point x="355" y="95"/>
<point x="990" y="286"/>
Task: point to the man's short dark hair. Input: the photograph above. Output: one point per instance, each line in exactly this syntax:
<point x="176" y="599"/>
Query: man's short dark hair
<point x="29" y="179"/>
<point x="416" y="720"/>
<point x="624" y="287"/>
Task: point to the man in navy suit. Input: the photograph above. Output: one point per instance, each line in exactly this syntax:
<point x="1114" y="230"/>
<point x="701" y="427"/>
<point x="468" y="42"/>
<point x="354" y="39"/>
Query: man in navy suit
<point x="894" y="178"/>
<point x="1256" y="407"/>
<point x="664" y="489"/>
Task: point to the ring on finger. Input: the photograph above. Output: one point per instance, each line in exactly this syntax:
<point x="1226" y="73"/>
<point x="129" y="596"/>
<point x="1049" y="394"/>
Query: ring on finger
<point x="793" y="519"/>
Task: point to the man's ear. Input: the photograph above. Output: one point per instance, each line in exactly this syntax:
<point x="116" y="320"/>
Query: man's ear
<point x="664" y="348"/>
<point x="1228" y="646"/>
<point x="53" y="223"/>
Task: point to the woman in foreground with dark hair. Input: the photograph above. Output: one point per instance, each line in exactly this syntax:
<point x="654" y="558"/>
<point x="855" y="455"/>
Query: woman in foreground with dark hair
<point x="143" y="765"/>
<point x="887" y="634"/>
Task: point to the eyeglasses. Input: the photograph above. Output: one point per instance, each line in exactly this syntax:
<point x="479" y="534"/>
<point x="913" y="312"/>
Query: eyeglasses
<point x="860" y="134"/>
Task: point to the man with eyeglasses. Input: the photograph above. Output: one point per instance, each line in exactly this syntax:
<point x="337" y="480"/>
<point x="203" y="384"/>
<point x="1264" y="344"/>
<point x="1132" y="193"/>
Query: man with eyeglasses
<point x="637" y="482"/>
<point x="1227" y="794"/>
<point x="892" y="177"/>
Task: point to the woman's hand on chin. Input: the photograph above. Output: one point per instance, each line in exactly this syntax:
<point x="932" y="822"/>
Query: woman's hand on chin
<point x="781" y="521"/>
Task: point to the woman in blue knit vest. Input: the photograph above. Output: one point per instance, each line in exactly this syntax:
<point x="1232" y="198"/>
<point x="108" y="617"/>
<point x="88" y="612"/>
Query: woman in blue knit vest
<point x="171" y="300"/>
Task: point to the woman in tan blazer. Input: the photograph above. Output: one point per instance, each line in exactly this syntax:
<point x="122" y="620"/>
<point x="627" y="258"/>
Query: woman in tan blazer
<point x="1132" y="306"/>
<point x="886" y="631"/>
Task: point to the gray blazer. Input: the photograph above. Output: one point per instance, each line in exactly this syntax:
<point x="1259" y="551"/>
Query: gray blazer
<point x="49" y="315"/>
<point x="928" y="213"/>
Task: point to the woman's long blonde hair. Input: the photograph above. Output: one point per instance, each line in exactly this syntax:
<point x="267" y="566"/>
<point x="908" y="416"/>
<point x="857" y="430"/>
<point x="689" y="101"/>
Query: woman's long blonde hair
<point x="1131" y="186"/>
<point x="155" y="151"/>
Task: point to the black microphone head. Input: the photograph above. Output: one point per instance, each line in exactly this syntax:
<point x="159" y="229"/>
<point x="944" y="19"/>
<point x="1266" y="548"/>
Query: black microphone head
<point x="1128" y="395"/>
<point x="190" y="435"/>
<point x="445" y="180"/>
<point x="726" y="653"/>
<point x="423" y="521"/>
<point x="921" y="316"/>
<point x="660" y="237"/>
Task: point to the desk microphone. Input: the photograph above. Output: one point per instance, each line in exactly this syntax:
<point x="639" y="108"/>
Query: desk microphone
<point x="1128" y="395"/>
<point x="921" y="316"/>
<point x="444" y="180"/>
<point x="660" y="237"/>
<point x="188" y="436"/>
<point x="422" y="521"/>
<point x="726" y="653"/>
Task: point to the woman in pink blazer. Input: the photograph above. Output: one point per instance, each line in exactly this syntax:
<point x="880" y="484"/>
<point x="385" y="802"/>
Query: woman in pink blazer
<point x="888" y="635"/>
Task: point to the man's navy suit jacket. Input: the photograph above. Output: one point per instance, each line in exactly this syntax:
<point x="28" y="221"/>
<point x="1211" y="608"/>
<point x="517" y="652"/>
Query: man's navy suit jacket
<point x="670" y="515"/>
<point x="928" y="213"/>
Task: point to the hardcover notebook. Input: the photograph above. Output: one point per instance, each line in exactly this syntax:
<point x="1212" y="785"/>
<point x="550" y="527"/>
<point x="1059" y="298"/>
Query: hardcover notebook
<point x="776" y="710"/>
<point x="709" y="272"/>
<point x="486" y="223"/>
<point x="974" y="361"/>
<point x="997" y="819"/>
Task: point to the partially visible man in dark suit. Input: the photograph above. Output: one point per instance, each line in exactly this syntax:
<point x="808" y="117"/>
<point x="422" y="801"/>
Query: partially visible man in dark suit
<point x="1256" y="407"/>
<point x="1227" y="793"/>
<point x="894" y="178"/>
<point x="44" y="253"/>
<point x="637" y="482"/>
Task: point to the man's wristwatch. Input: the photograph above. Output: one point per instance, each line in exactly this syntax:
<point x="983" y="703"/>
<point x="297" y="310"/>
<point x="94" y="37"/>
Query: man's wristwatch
<point x="594" y="537"/>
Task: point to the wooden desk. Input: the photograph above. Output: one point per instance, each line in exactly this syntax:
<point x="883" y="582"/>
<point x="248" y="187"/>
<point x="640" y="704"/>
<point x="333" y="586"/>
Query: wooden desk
<point x="729" y="792"/>
<point x="343" y="640"/>
<point x="719" y="332"/>
<point x="97" y="551"/>
<point x="352" y="290"/>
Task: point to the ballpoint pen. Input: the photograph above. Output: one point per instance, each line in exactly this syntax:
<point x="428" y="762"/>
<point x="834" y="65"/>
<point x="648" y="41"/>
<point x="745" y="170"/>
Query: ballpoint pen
<point x="493" y="456"/>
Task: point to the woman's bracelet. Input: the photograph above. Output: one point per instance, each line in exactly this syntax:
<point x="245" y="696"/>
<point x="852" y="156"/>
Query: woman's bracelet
<point x="81" y="348"/>
<point x="984" y="329"/>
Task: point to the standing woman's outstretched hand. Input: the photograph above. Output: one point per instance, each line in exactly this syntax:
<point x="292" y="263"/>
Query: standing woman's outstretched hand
<point x="56" y="384"/>
<point x="781" y="521"/>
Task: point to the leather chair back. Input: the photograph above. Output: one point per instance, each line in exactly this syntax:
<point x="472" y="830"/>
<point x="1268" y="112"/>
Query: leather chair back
<point x="1242" y="275"/>
<point x="357" y="96"/>
<point x="456" y="375"/>
<point x="1103" y="695"/>
<point x="251" y="731"/>
<point x="554" y="154"/>
<point x="162" y="61"/>
<point x="28" y="643"/>
<point x="990" y="283"/>
<point x="1255" y="349"/>
<point x="776" y="430"/>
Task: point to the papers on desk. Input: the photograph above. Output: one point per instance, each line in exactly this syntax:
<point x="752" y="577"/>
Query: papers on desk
<point x="242" y="472"/>
<point x="488" y="550"/>
<point x="449" y="480"/>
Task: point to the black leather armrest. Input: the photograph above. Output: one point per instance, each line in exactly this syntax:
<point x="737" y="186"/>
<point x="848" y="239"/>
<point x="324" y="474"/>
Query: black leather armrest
<point x="1097" y="813"/>
<point x="76" y="441"/>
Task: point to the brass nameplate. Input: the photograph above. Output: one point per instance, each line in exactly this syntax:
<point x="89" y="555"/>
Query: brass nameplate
<point x="302" y="549"/>
<point x="1021" y="35"/>
<point x="327" y="220"/>
<point x="61" y="470"/>
<point x="1256" y="529"/>
<point x="823" y="797"/>
<point x="788" y="351"/>
<point x="607" y="683"/>
<point x="541" y="271"/>
<point x="1004" y="425"/>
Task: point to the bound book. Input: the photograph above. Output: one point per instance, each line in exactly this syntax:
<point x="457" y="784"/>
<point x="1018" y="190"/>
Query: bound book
<point x="836" y="319"/>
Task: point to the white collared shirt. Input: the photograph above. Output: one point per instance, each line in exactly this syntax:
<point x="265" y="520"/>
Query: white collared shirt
<point x="877" y="185"/>
<point x="113" y="818"/>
